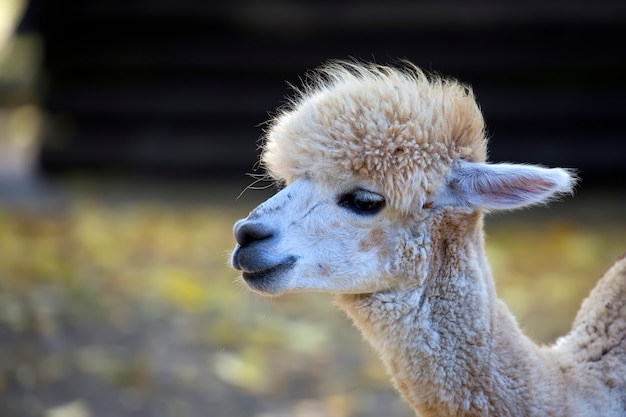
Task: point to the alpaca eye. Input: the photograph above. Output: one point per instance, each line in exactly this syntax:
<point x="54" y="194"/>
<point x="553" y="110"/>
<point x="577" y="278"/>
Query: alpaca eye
<point x="362" y="202"/>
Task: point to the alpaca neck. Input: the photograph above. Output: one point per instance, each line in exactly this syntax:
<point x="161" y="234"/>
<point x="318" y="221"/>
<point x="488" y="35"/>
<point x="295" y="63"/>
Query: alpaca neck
<point x="451" y="347"/>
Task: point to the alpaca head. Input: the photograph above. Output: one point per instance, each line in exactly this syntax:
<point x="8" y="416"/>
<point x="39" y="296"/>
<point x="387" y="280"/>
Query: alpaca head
<point x="378" y="163"/>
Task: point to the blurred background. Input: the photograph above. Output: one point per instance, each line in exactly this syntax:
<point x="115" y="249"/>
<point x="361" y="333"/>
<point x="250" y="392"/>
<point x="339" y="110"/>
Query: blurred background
<point x="127" y="129"/>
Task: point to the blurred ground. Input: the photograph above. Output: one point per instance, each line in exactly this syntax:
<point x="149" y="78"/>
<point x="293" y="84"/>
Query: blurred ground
<point x="116" y="299"/>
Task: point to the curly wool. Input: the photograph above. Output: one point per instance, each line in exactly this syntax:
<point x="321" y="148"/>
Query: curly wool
<point x="398" y="129"/>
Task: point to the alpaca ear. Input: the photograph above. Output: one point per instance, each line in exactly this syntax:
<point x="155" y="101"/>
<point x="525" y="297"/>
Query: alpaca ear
<point x="505" y="186"/>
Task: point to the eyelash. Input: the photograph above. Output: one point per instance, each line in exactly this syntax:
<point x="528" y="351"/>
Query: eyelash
<point x="362" y="202"/>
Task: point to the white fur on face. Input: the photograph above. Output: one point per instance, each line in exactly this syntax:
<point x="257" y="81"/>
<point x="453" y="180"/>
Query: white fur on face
<point x="303" y="239"/>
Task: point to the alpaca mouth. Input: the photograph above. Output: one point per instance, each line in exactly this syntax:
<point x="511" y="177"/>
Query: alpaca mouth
<point x="270" y="281"/>
<point x="261" y="278"/>
<point x="264" y="274"/>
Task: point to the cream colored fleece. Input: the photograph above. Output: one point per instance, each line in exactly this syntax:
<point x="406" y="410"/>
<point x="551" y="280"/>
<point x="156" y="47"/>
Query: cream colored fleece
<point x="451" y="347"/>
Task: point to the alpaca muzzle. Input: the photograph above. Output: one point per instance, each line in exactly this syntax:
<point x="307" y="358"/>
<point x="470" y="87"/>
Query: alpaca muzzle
<point x="261" y="272"/>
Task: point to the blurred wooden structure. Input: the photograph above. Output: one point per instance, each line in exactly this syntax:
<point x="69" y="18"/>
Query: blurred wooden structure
<point x="180" y="87"/>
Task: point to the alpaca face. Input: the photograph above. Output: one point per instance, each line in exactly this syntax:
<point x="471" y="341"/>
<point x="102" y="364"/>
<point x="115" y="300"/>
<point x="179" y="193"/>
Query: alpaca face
<point x="343" y="237"/>
<point x="314" y="236"/>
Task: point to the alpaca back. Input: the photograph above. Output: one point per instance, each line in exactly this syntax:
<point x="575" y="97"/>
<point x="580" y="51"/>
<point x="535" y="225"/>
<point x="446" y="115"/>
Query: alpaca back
<point x="600" y="324"/>
<point x="594" y="353"/>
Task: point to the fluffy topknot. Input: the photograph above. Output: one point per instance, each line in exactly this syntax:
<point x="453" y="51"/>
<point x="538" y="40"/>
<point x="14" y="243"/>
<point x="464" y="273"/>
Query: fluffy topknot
<point x="396" y="128"/>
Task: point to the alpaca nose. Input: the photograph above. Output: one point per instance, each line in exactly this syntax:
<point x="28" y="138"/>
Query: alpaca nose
<point x="247" y="232"/>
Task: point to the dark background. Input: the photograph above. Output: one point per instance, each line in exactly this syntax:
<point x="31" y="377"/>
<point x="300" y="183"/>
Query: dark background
<point x="179" y="88"/>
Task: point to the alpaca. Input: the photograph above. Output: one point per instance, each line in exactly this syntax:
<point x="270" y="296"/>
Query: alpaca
<point x="385" y="189"/>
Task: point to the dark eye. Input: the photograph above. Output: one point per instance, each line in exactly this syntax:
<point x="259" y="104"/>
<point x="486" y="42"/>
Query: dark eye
<point x="362" y="202"/>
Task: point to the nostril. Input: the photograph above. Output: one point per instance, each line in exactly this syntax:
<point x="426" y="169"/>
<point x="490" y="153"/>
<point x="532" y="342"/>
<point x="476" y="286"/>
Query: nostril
<point x="247" y="232"/>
